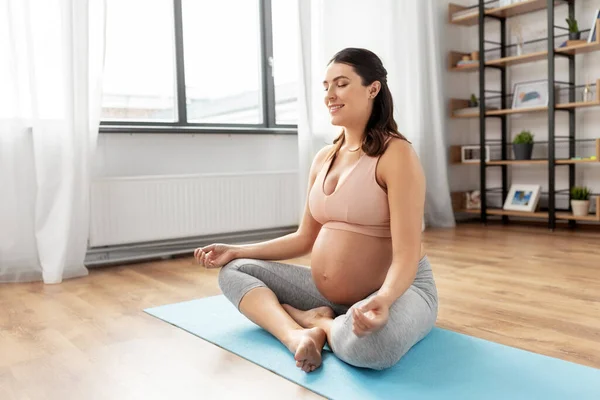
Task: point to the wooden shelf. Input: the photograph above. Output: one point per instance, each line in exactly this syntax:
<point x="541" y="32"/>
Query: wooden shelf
<point x="460" y="104"/>
<point x="580" y="104"/>
<point x="455" y="158"/>
<point x="510" y="213"/>
<point x="567" y="161"/>
<point x="512" y="10"/>
<point x="521" y="8"/>
<point x="516" y="162"/>
<point x="466" y="68"/>
<point x="517" y="111"/>
<point x="513" y="60"/>
<point x="465" y="116"/>
<point x="531" y="57"/>
<point x="530" y="162"/>
<point x="456" y="56"/>
<point x="458" y="203"/>
<point x="565" y="215"/>
<point x="584" y="47"/>
<point x="590" y="217"/>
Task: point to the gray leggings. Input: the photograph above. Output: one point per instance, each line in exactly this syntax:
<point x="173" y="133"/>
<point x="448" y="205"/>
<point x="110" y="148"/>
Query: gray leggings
<point x="411" y="317"/>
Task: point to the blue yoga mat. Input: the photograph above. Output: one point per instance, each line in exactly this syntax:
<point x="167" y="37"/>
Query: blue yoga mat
<point x="444" y="365"/>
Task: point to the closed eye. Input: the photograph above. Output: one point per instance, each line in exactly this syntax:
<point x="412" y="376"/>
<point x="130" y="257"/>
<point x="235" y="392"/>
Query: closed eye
<point x="340" y="86"/>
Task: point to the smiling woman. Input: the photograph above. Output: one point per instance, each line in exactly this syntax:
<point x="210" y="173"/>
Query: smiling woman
<point x="370" y="291"/>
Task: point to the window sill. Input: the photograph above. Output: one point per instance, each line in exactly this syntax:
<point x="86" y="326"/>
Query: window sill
<point x="130" y="129"/>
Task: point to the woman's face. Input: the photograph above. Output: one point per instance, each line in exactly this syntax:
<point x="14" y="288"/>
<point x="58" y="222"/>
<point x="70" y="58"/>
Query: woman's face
<point x="348" y="101"/>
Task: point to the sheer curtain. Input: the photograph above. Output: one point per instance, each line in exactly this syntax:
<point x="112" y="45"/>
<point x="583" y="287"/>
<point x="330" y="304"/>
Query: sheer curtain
<point x="404" y="34"/>
<point x="51" y="62"/>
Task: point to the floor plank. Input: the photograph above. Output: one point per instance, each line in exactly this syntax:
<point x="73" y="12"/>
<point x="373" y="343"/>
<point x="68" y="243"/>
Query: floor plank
<point x="525" y="287"/>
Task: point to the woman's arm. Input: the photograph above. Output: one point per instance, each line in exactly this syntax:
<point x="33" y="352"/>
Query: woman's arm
<point x="405" y="181"/>
<point x="294" y="244"/>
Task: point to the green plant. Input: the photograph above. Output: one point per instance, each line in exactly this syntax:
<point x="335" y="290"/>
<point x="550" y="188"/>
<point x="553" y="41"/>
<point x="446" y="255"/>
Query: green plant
<point x="524" y="137"/>
<point x="573" y="26"/>
<point x="473" y="101"/>
<point x="580" y="193"/>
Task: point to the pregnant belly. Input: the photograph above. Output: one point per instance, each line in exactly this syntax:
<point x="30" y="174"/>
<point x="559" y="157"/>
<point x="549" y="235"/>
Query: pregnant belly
<point x="348" y="266"/>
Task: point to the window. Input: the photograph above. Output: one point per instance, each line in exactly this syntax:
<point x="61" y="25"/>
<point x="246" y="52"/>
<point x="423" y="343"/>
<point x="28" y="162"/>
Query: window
<point x="222" y="61"/>
<point x="139" y="77"/>
<point x="285" y="65"/>
<point x="237" y="65"/>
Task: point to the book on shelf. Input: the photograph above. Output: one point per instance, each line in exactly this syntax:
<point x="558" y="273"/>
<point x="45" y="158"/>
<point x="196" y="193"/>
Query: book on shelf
<point x="463" y="63"/>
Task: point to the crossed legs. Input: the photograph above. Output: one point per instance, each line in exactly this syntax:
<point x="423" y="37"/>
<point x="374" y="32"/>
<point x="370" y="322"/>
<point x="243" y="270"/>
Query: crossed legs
<point x="282" y="299"/>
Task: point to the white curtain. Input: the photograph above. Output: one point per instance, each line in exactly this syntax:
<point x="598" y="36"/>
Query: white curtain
<point x="51" y="62"/>
<point x="405" y="35"/>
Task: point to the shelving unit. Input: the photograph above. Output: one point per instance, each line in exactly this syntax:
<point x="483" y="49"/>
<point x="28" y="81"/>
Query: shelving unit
<point x="478" y="16"/>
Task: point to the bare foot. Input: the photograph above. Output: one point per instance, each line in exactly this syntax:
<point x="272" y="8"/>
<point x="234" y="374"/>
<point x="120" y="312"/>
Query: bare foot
<point x="306" y="319"/>
<point x="306" y="344"/>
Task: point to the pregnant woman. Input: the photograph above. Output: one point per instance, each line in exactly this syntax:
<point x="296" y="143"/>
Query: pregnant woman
<point x="370" y="292"/>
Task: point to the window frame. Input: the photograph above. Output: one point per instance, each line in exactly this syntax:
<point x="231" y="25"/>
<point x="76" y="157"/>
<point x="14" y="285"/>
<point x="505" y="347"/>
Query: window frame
<point x="181" y="124"/>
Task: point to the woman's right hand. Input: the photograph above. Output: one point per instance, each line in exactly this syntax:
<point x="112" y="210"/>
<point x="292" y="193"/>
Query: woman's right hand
<point x="215" y="255"/>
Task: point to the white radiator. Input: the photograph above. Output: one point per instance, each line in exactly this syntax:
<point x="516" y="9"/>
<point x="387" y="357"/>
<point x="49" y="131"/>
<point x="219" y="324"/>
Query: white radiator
<point x="128" y="210"/>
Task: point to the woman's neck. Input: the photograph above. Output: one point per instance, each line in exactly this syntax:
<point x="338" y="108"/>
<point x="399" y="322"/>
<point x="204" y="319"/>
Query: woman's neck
<point x="353" y="137"/>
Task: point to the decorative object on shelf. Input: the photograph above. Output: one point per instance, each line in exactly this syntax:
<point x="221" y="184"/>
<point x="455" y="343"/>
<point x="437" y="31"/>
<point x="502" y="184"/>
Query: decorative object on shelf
<point x="473" y="101"/>
<point x="574" y="33"/>
<point x="473" y="200"/>
<point x="580" y="200"/>
<point x="592" y="35"/>
<point x="523" y="145"/>
<point x="472" y="154"/>
<point x="466" y="60"/>
<point x="517" y="32"/>
<point x="522" y="197"/>
<point x="475" y="55"/>
<point x="587" y="93"/>
<point x="530" y="94"/>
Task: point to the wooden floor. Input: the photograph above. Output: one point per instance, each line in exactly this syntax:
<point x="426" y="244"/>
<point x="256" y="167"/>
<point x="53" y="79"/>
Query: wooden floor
<point x="88" y="338"/>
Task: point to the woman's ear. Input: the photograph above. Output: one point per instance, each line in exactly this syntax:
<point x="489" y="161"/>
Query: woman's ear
<point x="374" y="89"/>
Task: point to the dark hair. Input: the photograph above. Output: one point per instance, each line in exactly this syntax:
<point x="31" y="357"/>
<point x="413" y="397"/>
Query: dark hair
<point x="381" y="124"/>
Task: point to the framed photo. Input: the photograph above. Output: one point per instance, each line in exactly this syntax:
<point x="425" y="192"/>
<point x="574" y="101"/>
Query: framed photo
<point x="473" y="200"/>
<point x="593" y="33"/>
<point x="472" y="154"/>
<point x="530" y="94"/>
<point x="522" y="197"/>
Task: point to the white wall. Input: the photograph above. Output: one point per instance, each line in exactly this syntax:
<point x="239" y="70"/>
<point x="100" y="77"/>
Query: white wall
<point x="460" y="85"/>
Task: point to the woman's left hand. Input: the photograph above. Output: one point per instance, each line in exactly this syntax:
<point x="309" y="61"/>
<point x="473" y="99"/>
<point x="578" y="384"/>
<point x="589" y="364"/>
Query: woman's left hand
<point x="369" y="317"/>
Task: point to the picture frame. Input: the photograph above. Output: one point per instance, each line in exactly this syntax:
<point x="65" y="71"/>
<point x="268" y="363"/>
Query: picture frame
<point x="472" y="154"/>
<point x="473" y="200"/>
<point x="522" y="197"/>
<point x="529" y="94"/>
<point x="593" y="33"/>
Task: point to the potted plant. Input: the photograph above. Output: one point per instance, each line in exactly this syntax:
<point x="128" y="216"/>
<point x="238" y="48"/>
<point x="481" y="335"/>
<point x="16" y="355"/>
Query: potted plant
<point x="473" y="101"/>
<point x="580" y="200"/>
<point x="574" y="33"/>
<point x="523" y="145"/>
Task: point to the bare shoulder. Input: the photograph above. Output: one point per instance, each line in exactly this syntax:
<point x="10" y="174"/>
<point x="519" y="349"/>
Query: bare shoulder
<point x="400" y="152"/>
<point x="321" y="155"/>
<point x="399" y="158"/>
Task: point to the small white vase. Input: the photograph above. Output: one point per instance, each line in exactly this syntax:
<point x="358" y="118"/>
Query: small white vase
<point x="580" y="207"/>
